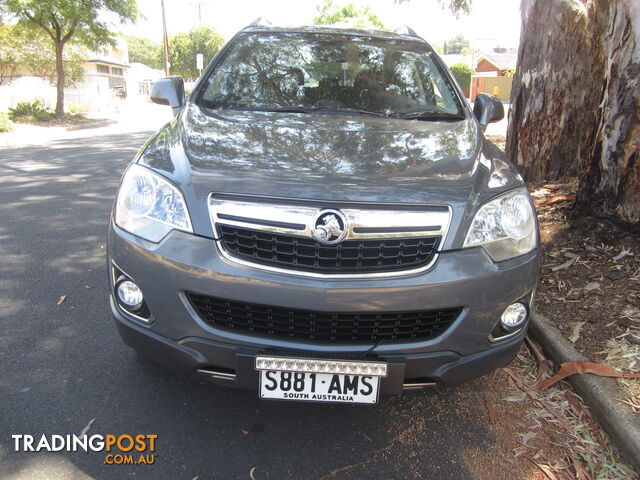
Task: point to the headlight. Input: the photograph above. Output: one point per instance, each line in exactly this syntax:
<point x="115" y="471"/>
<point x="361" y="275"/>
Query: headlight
<point x="149" y="206"/>
<point x="505" y="227"/>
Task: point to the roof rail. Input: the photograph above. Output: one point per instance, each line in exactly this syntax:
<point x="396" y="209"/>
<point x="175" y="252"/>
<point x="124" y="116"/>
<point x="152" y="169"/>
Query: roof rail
<point x="406" y="30"/>
<point x="260" y="22"/>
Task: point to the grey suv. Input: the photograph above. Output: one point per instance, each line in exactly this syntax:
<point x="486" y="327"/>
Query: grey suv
<point x="323" y="220"/>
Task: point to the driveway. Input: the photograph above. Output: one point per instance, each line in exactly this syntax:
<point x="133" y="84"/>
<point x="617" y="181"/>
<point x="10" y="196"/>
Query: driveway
<point x="64" y="365"/>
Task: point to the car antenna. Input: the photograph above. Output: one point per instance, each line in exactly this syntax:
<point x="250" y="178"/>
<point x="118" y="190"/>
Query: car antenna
<point x="368" y="352"/>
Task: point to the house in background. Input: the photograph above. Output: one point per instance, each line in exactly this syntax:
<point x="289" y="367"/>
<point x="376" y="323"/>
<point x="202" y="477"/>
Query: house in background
<point x="493" y="73"/>
<point x="139" y="79"/>
<point x="104" y="72"/>
<point x="496" y="64"/>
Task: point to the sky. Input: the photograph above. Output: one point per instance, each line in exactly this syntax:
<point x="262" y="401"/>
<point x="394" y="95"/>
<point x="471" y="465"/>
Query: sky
<point x="491" y="23"/>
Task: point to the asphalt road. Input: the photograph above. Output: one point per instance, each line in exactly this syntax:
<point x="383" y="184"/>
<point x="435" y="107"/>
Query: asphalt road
<point x="62" y="366"/>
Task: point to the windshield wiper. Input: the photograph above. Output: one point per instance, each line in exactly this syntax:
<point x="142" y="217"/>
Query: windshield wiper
<point x="431" y="115"/>
<point x="318" y="108"/>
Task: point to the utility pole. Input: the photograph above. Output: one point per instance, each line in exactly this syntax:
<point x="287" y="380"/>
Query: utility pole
<point x="165" y="42"/>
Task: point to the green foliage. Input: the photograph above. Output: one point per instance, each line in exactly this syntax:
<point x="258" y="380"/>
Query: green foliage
<point x="143" y="50"/>
<point x="184" y="47"/>
<point x="457" y="7"/>
<point x="30" y="111"/>
<point x="30" y="48"/>
<point x="456" y="45"/>
<point x="462" y="72"/>
<point x="83" y="21"/>
<point x="6" y="125"/>
<point x="10" y="53"/>
<point x="347" y="14"/>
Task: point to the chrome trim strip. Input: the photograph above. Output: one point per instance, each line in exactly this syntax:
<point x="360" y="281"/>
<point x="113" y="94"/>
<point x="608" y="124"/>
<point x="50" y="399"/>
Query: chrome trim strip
<point x="299" y="220"/>
<point x="418" y="386"/>
<point x="113" y="294"/>
<point x="215" y="374"/>
<point x="435" y="220"/>
<point x="493" y="339"/>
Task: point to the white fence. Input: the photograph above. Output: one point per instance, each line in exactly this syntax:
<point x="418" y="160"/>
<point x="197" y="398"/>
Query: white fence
<point x="92" y="95"/>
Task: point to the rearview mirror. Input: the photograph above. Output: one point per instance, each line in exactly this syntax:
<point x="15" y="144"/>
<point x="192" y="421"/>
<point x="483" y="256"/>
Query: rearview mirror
<point x="169" y="91"/>
<point x="487" y="109"/>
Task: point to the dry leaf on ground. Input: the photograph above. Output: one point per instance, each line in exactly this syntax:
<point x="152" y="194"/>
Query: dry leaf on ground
<point x="571" y="368"/>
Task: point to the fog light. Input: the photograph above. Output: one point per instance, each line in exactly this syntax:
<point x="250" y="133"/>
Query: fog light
<point x="130" y="294"/>
<point x="513" y="316"/>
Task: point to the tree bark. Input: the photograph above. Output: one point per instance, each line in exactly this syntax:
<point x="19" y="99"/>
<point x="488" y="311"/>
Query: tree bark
<point x="557" y="86"/>
<point x="60" y="82"/>
<point x="610" y="180"/>
<point x="575" y="100"/>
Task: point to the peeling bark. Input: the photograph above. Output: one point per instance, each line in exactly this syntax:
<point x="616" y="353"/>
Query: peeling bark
<point x="610" y="180"/>
<point x="557" y="86"/>
<point x="575" y="100"/>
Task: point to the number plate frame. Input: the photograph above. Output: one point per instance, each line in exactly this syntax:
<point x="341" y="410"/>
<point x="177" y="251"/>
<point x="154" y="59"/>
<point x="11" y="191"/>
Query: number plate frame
<point x="319" y="380"/>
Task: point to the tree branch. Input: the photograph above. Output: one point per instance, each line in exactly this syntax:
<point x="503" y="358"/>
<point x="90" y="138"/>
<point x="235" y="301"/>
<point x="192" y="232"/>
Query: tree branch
<point x="71" y="31"/>
<point x="41" y="24"/>
<point x="54" y="22"/>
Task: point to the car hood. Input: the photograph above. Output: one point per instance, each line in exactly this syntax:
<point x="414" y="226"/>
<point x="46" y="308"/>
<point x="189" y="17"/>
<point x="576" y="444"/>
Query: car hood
<point x="327" y="158"/>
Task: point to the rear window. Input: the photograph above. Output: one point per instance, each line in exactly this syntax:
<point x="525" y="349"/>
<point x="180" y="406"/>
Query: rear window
<point x="263" y="71"/>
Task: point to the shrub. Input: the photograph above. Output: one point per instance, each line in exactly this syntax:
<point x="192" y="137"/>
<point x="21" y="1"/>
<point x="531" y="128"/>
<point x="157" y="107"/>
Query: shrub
<point x="31" y="110"/>
<point x="6" y="125"/>
<point x="462" y="72"/>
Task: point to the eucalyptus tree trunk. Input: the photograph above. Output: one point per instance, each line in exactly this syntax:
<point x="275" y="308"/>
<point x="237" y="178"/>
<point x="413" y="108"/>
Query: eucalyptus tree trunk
<point x="610" y="178"/>
<point x="575" y="99"/>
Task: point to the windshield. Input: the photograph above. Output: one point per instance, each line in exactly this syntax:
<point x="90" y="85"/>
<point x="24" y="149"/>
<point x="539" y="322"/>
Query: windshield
<point x="311" y="71"/>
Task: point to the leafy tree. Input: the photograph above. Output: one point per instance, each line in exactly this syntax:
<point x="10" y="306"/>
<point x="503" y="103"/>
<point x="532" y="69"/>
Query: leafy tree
<point x="184" y="47"/>
<point x="10" y="53"/>
<point x="457" y="7"/>
<point x="143" y="50"/>
<point x="463" y="73"/>
<point x="39" y="56"/>
<point x="66" y="20"/>
<point x="456" y="44"/>
<point x="330" y="14"/>
<point x="21" y="47"/>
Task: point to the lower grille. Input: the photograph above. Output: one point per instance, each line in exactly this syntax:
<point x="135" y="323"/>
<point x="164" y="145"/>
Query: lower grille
<point x="306" y="254"/>
<point x="322" y="327"/>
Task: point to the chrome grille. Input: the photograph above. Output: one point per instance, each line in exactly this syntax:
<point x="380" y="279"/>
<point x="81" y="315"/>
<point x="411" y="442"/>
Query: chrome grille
<point x="378" y="240"/>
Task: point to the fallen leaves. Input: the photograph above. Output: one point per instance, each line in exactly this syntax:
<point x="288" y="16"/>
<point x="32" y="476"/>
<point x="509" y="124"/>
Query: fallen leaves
<point x="623" y="253"/>
<point x="572" y="259"/>
<point x="557" y="198"/>
<point x="589" y="287"/>
<point x="572" y="368"/>
<point x="491" y="410"/>
<point x="61" y="299"/>
<point x="575" y="334"/>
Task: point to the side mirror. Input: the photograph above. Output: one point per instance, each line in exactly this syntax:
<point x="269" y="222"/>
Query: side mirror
<point x="169" y="91"/>
<point x="487" y="109"/>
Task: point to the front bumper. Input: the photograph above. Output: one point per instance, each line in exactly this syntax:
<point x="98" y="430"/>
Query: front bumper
<point x="178" y="339"/>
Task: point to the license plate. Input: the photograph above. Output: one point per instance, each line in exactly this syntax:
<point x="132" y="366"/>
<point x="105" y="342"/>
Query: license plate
<point x="319" y="380"/>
